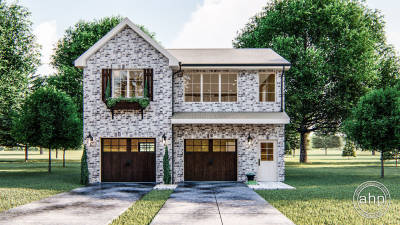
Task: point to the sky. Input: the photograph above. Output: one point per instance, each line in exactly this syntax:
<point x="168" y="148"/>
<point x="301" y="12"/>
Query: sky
<point x="177" y="23"/>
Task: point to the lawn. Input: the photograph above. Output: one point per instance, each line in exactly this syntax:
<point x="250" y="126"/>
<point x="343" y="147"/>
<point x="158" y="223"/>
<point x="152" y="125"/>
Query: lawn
<point x="325" y="188"/>
<point x="143" y="211"/>
<point x="21" y="182"/>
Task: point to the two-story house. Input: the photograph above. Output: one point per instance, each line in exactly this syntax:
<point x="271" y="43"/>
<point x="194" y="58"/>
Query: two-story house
<point x="220" y="112"/>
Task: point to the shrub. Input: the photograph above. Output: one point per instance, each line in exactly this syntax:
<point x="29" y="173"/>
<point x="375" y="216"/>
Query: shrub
<point x="84" y="168"/>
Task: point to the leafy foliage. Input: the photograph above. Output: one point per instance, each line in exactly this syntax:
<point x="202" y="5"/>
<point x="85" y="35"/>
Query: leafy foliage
<point x="84" y="168"/>
<point x="19" y="57"/>
<point x="375" y="121"/>
<point x="48" y="118"/>
<point x="332" y="47"/>
<point x="325" y="141"/>
<point x="166" y="167"/>
<point x="349" y="149"/>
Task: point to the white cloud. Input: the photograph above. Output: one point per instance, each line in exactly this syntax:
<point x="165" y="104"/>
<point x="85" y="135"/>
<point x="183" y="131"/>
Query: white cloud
<point x="46" y="36"/>
<point x="215" y="23"/>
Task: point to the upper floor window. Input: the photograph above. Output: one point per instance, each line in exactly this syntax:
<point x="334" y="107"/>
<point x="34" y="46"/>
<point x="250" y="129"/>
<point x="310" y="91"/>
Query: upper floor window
<point x="210" y="87"/>
<point x="267" y="87"/>
<point x="127" y="83"/>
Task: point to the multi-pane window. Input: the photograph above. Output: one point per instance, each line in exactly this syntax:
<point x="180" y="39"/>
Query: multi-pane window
<point x="224" y="145"/>
<point x="127" y="83"/>
<point x="207" y="145"/>
<point x="129" y="144"/>
<point x="267" y="87"/>
<point x="210" y="87"/>
<point x="267" y="151"/>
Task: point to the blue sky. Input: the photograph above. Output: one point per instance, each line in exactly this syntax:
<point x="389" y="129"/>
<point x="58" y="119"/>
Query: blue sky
<point x="177" y="23"/>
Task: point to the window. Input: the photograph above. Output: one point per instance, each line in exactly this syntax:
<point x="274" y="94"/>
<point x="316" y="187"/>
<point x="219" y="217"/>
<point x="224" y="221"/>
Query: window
<point x="223" y="145"/>
<point x="210" y="87"/>
<point x="127" y="83"/>
<point x="267" y="87"/>
<point x="129" y="144"/>
<point x="267" y="151"/>
<point x="207" y="145"/>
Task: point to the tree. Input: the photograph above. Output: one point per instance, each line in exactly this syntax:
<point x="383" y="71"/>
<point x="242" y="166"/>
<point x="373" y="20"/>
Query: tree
<point x="349" y="149"/>
<point x="375" y="122"/>
<point x="325" y="141"/>
<point x="166" y="167"/>
<point x="84" y="168"/>
<point x="292" y="139"/>
<point x="388" y="67"/>
<point x="331" y="45"/>
<point x="19" y="57"/>
<point x="48" y="118"/>
<point x="76" y="40"/>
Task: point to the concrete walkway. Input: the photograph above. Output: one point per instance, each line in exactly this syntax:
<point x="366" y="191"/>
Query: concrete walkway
<point x="97" y="205"/>
<point x="212" y="203"/>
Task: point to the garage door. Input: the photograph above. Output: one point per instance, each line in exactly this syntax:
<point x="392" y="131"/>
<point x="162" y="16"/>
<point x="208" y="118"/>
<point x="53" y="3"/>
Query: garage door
<point x="128" y="160"/>
<point x="210" y="160"/>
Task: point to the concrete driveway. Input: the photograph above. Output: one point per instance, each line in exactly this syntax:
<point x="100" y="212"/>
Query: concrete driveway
<point x="217" y="203"/>
<point x="97" y="205"/>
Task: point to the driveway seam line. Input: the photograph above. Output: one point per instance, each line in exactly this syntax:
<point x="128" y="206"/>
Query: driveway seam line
<point x="219" y="212"/>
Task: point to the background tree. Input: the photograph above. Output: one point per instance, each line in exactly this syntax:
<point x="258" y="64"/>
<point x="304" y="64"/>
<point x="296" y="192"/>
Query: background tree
<point x="325" y="141"/>
<point x="332" y="47"/>
<point x="292" y="139"/>
<point x="48" y="118"/>
<point x="375" y="122"/>
<point x="19" y="57"/>
<point x="349" y="149"/>
<point x="76" y="40"/>
<point x="388" y="67"/>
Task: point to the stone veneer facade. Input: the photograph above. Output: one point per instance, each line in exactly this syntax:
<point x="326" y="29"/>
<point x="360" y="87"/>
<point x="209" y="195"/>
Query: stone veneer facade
<point x="127" y="50"/>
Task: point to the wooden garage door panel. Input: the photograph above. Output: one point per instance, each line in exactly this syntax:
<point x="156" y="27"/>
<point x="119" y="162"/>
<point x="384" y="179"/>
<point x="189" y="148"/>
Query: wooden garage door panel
<point x="128" y="166"/>
<point x="210" y="166"/>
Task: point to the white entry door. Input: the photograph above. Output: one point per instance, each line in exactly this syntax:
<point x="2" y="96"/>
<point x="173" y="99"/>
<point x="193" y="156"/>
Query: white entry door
<point x="267" y="161"/>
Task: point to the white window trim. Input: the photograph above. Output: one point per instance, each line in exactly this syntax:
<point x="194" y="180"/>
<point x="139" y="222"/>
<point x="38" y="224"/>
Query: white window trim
<point x="219" y="90"/>
<point x="276" y="86"/>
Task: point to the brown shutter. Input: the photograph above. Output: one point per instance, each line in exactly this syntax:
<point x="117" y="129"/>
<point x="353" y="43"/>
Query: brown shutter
<point x="148" y="79"/>
<point x="105" y="76"/>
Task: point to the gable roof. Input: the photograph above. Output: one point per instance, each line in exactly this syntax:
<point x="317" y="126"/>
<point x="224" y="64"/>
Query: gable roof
<point x="220" y="57"/>
<point x="81" y="61"/>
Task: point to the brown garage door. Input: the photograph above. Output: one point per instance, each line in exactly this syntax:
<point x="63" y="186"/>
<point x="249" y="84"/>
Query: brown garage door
<point x="210" y="160"/>
<point x="128" y="160"/>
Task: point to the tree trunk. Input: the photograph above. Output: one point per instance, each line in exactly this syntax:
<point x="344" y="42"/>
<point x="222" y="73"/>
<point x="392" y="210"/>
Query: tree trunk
<point x="41" y="150"/>
<point x="382" y="167"/>
<point x="373" y="152"/>
<point x="64" y="157"/>
<point x="294" y="152"/>
<point x="56" y="153"/>
<point x="303" y="146"/>
<point x="49" y="159"/>
<point x="26" y="153"/>
<point x="326" y="151"/>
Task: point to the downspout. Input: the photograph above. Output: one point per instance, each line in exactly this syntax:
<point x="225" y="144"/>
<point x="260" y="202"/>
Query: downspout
<point x="282" y="82"/>
<point x="172" y="126"/>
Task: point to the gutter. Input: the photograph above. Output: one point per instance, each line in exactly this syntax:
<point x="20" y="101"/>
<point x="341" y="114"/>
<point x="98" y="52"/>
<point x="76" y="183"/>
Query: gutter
<point x="282" y="83"/>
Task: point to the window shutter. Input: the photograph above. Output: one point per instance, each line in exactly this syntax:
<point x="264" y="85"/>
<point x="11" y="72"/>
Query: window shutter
<point x="148" y="79"/>
<point x="105" y="77"/>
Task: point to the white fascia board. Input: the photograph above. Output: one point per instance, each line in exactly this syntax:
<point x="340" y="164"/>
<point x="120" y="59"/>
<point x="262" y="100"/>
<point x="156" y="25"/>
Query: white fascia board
<point x="81" y="61"/>
<point x="235" y="67"/>
<point x="230" y="121"/>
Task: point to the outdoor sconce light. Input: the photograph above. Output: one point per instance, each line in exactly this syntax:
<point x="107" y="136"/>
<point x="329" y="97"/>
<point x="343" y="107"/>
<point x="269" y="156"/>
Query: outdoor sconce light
<point x="249" y="140"/>
<point x="89" y="139"/>
<point x="164" y="139"/>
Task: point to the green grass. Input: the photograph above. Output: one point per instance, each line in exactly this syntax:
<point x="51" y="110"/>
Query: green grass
<point x="325" y="188"/>
<point x="144" y="210"/>
<point x="21" y="182"/>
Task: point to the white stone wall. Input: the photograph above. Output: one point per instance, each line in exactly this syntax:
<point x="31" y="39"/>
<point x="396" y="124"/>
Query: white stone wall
<point x="248" y="95"/>
<point x="126" y="50"/>
<point x="247" y="155"/>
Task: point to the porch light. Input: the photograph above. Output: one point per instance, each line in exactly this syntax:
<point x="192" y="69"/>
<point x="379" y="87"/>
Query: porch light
<point x="249" y="140"/>
<point x="89" y="139"/>
<point x="164" y="139"/>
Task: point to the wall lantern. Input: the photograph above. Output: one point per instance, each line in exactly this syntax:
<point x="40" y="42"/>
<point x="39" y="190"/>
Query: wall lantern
<point x="249" y="140"/>
<point x="164" y="139"/>
<point x="89" y="139"/>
